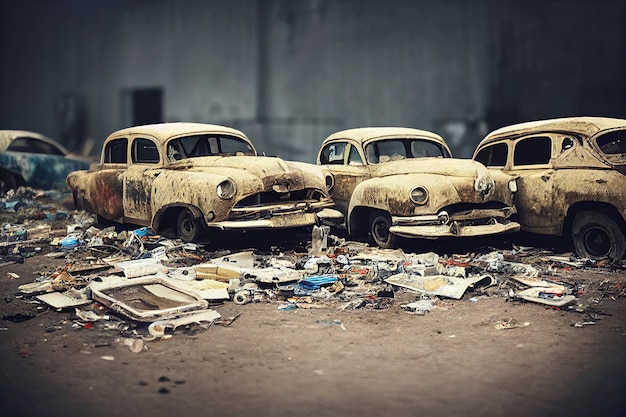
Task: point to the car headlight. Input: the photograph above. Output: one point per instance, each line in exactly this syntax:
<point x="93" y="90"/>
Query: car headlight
<point x="484" y="184"/>
<point x="226" y="189"/>
<point x="419" y="195"/>
<point x="513" y="186"/>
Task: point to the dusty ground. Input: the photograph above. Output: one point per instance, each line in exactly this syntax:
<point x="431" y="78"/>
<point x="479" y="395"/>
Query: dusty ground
<point x="323" y="361"/>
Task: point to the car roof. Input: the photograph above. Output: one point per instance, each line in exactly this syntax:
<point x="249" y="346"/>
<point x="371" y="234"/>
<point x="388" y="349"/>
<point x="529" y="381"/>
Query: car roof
<point x="8" y="136"/>
<point x="164" y="131"/>
<point x="584" y="126"/>
<point x="364" y="134"/>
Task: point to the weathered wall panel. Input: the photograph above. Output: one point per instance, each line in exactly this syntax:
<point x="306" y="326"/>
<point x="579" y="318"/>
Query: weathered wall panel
<point x="289" y="72"/>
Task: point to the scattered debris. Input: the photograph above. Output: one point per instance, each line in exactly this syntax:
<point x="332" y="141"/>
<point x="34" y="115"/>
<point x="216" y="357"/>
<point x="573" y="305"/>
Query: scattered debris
<point x="144" y="286"/>
<point x="441" y="285"/>
<point x="145" y="299"/>
<point x="510" y="324"/>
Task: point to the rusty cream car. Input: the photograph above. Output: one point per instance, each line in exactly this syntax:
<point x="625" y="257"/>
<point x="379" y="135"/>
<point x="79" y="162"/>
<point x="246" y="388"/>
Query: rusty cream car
<point x="392" y="181"/>
<point x="571" y="179"/>
<point x="195" y="177"/>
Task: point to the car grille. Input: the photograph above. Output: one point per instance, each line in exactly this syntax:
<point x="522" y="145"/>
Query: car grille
<point x="270" y="203"/>
<point x="272" y="197"/>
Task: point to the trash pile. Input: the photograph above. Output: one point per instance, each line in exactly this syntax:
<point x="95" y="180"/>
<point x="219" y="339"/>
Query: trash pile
<point x="145" y="285"/>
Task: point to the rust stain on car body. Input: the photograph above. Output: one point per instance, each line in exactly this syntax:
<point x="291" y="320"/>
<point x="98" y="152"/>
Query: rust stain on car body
<point x="570" y="177"/>
<point x="193" y="176"/>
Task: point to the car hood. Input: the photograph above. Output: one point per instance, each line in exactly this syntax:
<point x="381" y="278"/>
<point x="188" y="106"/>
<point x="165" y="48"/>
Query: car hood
<point x="269" y="170"/>
<point x="450" y="167"/>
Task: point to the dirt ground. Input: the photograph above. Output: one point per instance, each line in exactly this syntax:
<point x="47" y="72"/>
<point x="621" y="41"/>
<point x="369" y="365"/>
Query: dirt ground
<point x="323" y="361"/>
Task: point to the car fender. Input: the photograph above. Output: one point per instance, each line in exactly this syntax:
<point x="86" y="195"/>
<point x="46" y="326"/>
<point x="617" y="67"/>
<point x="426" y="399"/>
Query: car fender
<point x="313" y="175"/>
<point x="100" y="192"/>
<point x="198" y="189"/>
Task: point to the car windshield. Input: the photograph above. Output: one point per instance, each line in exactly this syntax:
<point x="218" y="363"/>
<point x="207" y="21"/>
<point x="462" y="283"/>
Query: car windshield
<point x="207" y="145"/>
<point x="395" y="149"/>
<point x="613" y="143"/>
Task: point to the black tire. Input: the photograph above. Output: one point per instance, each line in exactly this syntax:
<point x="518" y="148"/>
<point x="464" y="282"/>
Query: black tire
<point x="188" y="228"/>
<point x="7" y="182"/>
<point x="596" y="235"/>
<point x="101" y="221"/>
<point x="380" y="222"/>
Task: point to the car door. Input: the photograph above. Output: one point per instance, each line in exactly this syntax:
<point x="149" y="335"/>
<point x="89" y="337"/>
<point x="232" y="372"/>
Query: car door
<point x="537" y="197"/>
<point x="105" y="189"/>
<point x="528" y="159"/>
<point x="345" y="161"/>
<point x="146" y="161"/>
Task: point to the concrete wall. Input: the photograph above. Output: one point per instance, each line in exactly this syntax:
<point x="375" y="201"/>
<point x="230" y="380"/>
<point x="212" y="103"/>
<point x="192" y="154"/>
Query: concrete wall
<point x="290" y="72"/>
<point x="201" y="53"/>
<point x="556" y="58"/>
<point x="342" y="64"/>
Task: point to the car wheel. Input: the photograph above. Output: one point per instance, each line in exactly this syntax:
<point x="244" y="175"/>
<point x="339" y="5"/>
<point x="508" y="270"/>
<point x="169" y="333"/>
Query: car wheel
<point x="7" y="182"/>
<point x="188" y="228"/>
<point x="379" y="230"/>
<point x="596" y="235"/>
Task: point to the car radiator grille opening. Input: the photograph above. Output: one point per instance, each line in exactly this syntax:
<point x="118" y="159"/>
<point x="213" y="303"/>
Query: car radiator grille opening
<point x="272" y="198"/>
<point x="270" y="203"/>
<point x="479" y="213"/>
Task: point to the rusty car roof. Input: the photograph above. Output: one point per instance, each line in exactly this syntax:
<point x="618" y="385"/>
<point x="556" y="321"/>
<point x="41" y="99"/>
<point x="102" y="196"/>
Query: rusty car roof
<point x="585" y="126"/>
<point x="164" y="131"/>
<point x="7" y="136"/>
<point x="363" y="134"/>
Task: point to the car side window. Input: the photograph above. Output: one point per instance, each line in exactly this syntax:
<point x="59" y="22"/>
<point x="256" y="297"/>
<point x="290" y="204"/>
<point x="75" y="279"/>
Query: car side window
<point x="145" y="151"/>
<point x="332" y="154"/>
<point x="116" y="151"/>
<point x="354" y="158"/>
<point x="533" y="151"/>
<point x="493" y="155"/>
<point x="33" y="145"/>
<point x="567" y="143"/>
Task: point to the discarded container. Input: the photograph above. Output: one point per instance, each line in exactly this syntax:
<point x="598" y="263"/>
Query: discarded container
<point x="144" y="231"/>
<point x="71" y="242"/>
<point x="319" y="239"/>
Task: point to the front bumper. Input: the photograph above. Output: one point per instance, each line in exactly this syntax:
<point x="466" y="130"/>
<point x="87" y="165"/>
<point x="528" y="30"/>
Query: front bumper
<point x="444" y="230"/>
<point x="281" y="221"/>
<point x="479" y="222"/>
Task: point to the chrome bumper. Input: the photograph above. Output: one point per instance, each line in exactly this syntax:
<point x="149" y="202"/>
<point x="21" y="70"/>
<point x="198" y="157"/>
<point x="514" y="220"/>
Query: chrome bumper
<point x="280" y="221"/>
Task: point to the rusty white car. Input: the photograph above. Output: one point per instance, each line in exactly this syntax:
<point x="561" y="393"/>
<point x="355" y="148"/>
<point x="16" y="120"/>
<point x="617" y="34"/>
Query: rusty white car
<point x="571" y="179"/>
<point x="32" y="159"/>
<point x="196" y="177"/>
<point x="392" y="181"/>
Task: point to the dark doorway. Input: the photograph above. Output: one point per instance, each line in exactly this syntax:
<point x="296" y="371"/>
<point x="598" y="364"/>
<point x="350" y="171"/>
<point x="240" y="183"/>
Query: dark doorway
<point x="142" y="106"/>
